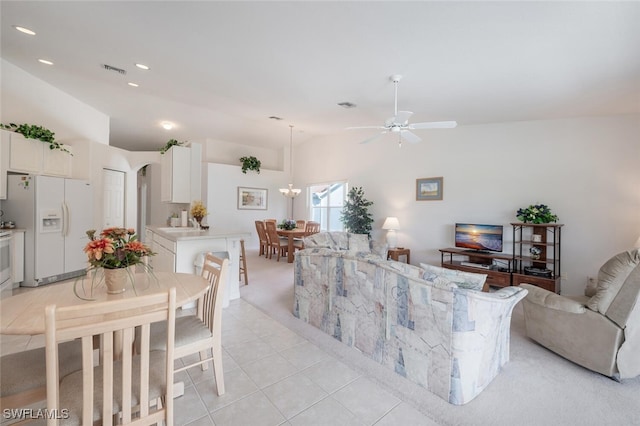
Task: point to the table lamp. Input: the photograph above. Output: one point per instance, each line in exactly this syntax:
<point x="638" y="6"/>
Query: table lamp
<point x="391" y="224"/>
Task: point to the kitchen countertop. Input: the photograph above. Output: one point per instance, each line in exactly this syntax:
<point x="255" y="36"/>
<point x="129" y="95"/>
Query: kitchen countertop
<point x="189" y="233"/>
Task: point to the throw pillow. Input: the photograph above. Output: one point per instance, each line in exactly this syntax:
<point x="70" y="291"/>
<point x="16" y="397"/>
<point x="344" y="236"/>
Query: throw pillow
<point x="611" y="277"/>
<point x="462" y="279"/>
<point x="379" y="249"/>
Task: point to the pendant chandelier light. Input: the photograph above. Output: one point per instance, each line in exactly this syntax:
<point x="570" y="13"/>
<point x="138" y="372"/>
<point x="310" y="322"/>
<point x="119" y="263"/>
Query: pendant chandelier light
<point x="290" y="192"/>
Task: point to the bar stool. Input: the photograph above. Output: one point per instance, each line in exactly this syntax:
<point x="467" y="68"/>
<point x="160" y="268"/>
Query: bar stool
<point x="243" y="264"/>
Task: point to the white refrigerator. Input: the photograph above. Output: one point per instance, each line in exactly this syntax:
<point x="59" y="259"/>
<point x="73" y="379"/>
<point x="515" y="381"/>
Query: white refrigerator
<point x="56" y="213"/>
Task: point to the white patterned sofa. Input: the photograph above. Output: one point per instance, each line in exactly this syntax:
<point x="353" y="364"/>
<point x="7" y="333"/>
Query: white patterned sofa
<point x="430" y="325"/>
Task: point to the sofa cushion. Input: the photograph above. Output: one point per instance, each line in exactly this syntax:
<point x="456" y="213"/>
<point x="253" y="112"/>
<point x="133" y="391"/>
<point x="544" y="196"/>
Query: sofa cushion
<point x="611" y="277"/>
<point x="461" y="279"/>
<point x="379" y="249"/>
<point x="332" y="240"/>
<point x="358" y="243"/>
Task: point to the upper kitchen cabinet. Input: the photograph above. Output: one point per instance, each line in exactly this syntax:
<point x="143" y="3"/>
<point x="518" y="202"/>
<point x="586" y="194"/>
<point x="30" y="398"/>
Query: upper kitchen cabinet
<point x="34" y="156"/>
<point x="180" y="177"/>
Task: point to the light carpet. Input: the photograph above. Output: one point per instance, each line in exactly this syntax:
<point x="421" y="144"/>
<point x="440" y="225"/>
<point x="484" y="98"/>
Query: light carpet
<point x="536" y="387"/>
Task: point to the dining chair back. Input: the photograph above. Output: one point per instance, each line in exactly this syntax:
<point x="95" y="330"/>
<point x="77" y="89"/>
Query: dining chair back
<point x="300" y="223"/>
<point x="262" y="237"/>
<point x="276" y="243"/>
<point x="115" y="389"/>
<point x="311" y="228"/>
<point x="201" y="333"/>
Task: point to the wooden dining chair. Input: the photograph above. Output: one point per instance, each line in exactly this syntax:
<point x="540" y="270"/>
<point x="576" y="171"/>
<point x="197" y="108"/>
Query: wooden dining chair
<point x="201" y="333"/>
<point x="23" y="376"/>
<point x="262" y="237"/>
<point x="119" y="390"/>
<point x="310" y="228"/>
<point x="277" y="244"/>
<point x="300" y="223"/>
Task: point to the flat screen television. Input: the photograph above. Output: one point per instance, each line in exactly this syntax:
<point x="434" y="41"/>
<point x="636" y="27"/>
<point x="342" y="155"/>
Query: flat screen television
<point x="481" y="238"/>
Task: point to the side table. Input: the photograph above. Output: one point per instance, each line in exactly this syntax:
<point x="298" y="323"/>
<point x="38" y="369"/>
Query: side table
<point x="395" y="253"/>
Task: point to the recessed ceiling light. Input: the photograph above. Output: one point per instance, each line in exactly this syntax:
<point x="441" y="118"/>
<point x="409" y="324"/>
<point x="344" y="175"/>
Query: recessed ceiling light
<point x="167" y="125"/>
<point x="44" y="61"/>
<point x="142" y="66"/>
<point x="24" y="30"/>
<point x="132" y="84"/>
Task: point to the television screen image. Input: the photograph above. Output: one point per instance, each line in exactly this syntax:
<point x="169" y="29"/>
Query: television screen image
<point x="479" y="237"/>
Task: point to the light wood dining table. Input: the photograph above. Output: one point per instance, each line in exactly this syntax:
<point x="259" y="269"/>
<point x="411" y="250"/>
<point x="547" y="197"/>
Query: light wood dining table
<point x="24" y="313"/>
<point x="291" y="234"/>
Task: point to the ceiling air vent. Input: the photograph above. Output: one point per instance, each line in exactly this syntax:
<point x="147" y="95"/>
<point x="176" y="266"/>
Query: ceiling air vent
<point x="273" y="117"/>
<point x="114" y="69"/>
<point x="347" y="105"/>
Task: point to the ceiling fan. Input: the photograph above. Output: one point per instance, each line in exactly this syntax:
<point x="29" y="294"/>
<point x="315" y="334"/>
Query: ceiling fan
<point x="399" y="123"/>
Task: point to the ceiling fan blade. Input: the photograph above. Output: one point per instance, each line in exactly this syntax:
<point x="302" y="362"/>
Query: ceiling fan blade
<point x="366" y="127"/>
<point x="373" y="138"/>
<point x="409" y="137"/>
<point x="402" y="117"/>
<point x="433" y="125"/>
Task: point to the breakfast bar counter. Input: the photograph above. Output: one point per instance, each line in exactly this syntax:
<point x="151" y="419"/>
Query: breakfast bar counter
<point x="177" y="250"/>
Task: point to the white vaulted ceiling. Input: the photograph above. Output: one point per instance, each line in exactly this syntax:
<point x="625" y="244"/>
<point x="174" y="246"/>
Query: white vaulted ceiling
<point x="220" y="69"/>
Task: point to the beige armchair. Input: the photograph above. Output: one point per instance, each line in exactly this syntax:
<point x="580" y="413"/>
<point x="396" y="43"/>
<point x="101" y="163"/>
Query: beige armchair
<point x="601" y="330"/>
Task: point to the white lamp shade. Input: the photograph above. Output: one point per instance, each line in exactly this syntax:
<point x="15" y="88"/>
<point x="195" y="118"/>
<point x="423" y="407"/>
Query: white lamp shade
<point x="391" y="223"/>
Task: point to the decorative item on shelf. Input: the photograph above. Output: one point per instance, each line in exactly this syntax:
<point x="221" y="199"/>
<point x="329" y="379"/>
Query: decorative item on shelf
<point x="287" y="224"/>
<point x="538" y="213"/>
<point x="198" y="211"/>
<point x="114" y="253"/>
<point x="290" y="192"/>
<point x="391" y="224"/>
<point x="535" y="252"/>
<point x="169" y="144"/>
<point x="40" y="133"/>
<point x="355" y="214"/>
<point x="536" y="238"/>
<point x="250" y="163"/>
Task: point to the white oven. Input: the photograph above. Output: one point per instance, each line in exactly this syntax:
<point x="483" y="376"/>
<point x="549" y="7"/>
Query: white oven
<point x="5" y="258"/>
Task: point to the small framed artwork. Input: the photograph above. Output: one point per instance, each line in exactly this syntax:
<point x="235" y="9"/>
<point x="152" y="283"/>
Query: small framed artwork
<point x="429" y="189"/>
<point x="252" y="198"/>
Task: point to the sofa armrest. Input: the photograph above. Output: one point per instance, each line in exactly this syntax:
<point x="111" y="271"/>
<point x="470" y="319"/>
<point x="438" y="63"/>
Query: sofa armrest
<point x="550" y="300"/>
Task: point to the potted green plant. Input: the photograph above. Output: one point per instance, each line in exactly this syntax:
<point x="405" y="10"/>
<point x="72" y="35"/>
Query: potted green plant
<point x="31" y="131"/>
<point x="169" y="144"/>
<point x="250" y="163"/>
<point x="538" y="213"/>
<point x="355" y="213"/>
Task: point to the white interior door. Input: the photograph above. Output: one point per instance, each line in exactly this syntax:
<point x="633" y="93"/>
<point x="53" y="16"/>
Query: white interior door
<point x="113" y="192"/>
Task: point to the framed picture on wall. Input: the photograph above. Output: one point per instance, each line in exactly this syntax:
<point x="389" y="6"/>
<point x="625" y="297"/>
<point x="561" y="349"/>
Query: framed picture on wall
<point x="429" y="189"/>
<point x="252" y="198"/>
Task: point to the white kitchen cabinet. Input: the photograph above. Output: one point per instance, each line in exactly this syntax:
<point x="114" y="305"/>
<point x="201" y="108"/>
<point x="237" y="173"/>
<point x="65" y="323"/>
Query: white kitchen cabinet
<point x="34" y="156"/>
<point x="176" y="175"/>
<point x="4" y="162"/>
<point x="165" y="258"/>
<point x="17" y="253"/>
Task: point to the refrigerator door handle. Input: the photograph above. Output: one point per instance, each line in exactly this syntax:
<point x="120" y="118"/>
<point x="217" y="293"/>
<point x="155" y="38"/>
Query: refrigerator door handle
<point x="65" y="219"/>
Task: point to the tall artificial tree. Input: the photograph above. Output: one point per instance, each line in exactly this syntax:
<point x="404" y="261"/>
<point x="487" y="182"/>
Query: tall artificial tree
<point x="355" y="215"/>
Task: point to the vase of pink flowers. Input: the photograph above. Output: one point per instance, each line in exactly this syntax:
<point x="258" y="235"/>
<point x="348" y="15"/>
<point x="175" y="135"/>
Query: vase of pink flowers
<point x="112" y="255"/>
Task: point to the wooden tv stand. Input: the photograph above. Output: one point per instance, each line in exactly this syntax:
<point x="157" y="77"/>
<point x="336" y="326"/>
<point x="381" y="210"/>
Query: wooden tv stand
<point x="453" y="258"/>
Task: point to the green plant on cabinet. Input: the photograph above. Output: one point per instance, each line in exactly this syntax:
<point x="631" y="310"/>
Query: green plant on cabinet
<point x="250" y="163"/>
<point x="32" y="131"/>
<point x="169" y="144"/>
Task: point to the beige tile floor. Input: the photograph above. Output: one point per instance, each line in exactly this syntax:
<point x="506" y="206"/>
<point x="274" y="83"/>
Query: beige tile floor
<point x="274" y="377"/>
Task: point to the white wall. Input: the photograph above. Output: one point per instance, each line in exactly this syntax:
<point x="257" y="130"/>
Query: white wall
<point x="222" y="198"/>
<point x="216" y="151"/>
<point x="585" y="169"/>
<point x="26" y="99"/>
